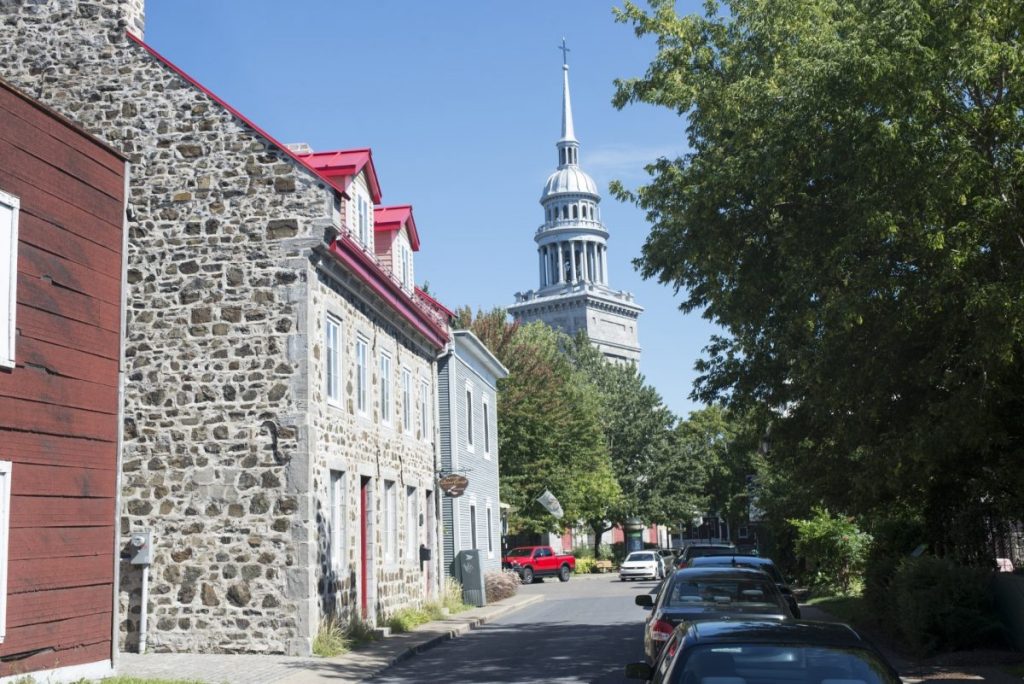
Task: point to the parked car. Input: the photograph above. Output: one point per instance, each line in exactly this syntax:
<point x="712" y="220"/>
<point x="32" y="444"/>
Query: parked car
<point x="709" y="593"/>
<point x="668" y="558"/>
<point x="751" y="650"/>
<point x="642" y="565"/>
<point x="758" y="563"/>
<point x="698" y="550"/>
<point x="531" y="562"/>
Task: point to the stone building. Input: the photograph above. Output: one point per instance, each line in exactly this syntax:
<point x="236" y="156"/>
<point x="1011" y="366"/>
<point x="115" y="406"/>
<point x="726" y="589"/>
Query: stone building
<point x="468" y="441"/>
<point x="272" y="362"/>
<point x="574" y="293"/>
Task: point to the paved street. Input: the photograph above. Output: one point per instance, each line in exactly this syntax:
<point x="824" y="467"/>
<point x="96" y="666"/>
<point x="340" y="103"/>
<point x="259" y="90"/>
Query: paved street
<point x="584" y="631"/>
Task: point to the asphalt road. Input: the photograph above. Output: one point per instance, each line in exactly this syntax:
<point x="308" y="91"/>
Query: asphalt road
<point x="585" y="630"/>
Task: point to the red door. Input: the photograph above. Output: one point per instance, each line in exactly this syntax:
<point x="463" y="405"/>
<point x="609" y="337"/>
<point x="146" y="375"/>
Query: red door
<point x="364" y="494"/>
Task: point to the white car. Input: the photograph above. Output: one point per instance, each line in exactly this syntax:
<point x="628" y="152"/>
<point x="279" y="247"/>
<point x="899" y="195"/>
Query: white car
<point x="642" y="565"/>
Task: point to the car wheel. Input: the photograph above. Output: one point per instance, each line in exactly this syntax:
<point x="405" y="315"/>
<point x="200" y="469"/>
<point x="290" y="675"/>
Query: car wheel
<point x="527" y="575"/>
<point x="563" y="573"/>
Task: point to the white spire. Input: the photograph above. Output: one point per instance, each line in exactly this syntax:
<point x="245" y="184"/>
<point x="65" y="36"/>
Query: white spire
<point x="568" y="146"/>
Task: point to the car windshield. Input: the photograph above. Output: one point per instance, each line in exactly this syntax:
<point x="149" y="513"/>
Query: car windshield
<point x="763" y="663"/>
<point x="639" y="557"/>
<point x="520" y="552"/>
<point x="732" y="595"/>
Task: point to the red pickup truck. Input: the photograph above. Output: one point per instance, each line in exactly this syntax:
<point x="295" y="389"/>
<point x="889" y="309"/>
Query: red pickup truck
<point x="539" y="561"/>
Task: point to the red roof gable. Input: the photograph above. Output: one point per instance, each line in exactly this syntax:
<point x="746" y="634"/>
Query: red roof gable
<point x="441" y="308"/>
<point x="387" y="219"/>
<point x="341" y="166"/>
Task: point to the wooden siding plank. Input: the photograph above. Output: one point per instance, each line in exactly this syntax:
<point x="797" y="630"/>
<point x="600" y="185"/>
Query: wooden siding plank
<point x="40" y="174"/>
<point x="59" y="542"/>
<point x="61" y="635"/>
<point x="47" y="480"/>
<point x="102" y="259"/>
<point x="49" y="511"/>
<point x="39" y="324"/>
<point x="28" y="137"/>
<point x="66" y="303"/>
<point x="33" y="384"/>
<point x="55" y="209"/>
<point x="60" y="129"/>
<point x="34" y="447"/>
<point x="33" y="416"/>
<point x="61" y="604"/>
<point x="70" y="363"/>
<point x="41" y="264"/>
<point x="42" y="574"/>
<point x="97" y="652"/>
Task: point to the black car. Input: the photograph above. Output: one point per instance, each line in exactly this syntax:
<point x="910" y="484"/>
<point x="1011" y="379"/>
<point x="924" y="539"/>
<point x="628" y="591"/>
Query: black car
<point x="708" y="594"/>
<point x="698" y="550"/>
<point x="758" y="563"/>
<point x="766" y="651"/>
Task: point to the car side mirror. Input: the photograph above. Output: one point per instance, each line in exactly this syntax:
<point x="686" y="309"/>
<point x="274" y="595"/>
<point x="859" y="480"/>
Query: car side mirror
<point x="639" y="671"/>
<point x="645" y="600"/>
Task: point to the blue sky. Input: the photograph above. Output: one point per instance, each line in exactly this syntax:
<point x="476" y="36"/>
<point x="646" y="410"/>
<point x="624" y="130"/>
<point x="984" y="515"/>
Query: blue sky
<point x="461" y="103"/>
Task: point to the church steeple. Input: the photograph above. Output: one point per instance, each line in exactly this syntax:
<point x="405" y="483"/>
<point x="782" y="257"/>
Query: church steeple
<point x="568" y="146"/>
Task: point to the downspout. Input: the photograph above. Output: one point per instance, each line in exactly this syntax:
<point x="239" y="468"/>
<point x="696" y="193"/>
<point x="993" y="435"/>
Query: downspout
<point x="448" y="350"/>
<point x="115" y="612"/>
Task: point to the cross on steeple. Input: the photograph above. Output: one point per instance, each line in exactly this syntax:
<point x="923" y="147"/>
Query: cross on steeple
<point x="565" y="53"/>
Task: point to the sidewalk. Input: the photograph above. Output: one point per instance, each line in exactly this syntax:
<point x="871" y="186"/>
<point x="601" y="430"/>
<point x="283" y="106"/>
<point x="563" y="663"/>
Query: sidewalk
<point x="358" y="665"/>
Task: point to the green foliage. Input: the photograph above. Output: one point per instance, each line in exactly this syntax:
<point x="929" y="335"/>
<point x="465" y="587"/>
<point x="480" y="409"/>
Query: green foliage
<point x="852" y="610"/>
<point x="451" y="599"/>
<point x="549" y="429"/>
<point x="331" y="639"/>
<point x="359" y="632"/>
<point x="585" y="564"/>
<point x="408" y="619"/>
<point x="834" y="546"/>
<point x="850" y="216"/>
<point x="892" y="539"/>
<point x="940" y="605"/>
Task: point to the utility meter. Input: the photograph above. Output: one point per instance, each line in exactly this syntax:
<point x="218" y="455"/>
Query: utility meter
<point x="140" y="545"/>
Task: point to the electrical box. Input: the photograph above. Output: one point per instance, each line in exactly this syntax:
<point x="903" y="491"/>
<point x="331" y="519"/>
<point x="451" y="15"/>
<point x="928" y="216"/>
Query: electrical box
<point x="469" y="570"/>
<point x="140" y="546"/>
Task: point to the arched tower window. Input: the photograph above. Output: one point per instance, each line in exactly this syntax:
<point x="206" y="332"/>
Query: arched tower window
<point x="565" y="212"/>
<point x="575" y="211"/>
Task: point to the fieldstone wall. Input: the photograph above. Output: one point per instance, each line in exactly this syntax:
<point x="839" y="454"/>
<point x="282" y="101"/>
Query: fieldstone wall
<point x="364" y="446"/>
<point x="216" y="444"/>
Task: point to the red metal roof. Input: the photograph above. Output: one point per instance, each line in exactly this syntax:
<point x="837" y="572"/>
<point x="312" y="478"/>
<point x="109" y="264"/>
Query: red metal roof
<point x="441" y="308"/>
<point x="341" y="166"/>
<point x="387" y="219"/>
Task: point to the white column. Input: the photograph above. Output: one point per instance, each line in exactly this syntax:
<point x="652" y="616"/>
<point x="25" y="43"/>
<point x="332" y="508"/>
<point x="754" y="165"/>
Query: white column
<point x="585" y="275"/>
<point x="540" y="264"/>
<point x="561" y="269"/>
<point x="572" y="260"/>
<point x="604" y="263"/>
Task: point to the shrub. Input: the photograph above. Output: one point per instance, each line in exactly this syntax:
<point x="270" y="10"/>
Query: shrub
<point x="586" y="551"/>
<point x="359" y="632"/>
<point x="501" y="585"/>
<point x="943" y="606"/>
<point x="585" y="565"/>
<point x="834" y="546"/>
<point x="330" y="638"/>
<point x="892" y="541"/>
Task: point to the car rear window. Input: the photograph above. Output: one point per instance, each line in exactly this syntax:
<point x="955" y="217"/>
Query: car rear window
<point x="640" y="557"/>
<point x="764" y="663"/>
<point x="740" y="595"/>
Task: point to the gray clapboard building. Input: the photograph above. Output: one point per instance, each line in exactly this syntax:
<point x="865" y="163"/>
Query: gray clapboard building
<point x="574" y="293"/>
<point x="468" y="437"/>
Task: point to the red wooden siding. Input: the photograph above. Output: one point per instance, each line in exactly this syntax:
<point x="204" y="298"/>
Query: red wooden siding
<point x="59" y="405"/>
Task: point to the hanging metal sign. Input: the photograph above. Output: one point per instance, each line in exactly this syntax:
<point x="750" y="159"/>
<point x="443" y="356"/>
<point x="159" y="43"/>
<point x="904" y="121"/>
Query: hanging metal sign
<point x="453" y="485"/>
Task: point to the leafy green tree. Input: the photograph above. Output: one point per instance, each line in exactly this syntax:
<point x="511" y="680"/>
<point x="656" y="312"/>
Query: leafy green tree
<point x="549" y="430"/>
<point x="834" y="545"/>
<point x="850" y="214"/>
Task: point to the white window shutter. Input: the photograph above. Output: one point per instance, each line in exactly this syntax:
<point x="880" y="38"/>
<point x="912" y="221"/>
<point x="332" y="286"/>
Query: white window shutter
<point x="5" y="526"/>
<point x="9" y="206"/>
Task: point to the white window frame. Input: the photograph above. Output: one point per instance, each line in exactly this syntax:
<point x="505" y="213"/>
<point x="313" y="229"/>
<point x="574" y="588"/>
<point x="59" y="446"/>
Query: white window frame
<point x="390" y="521"/>
<point x="487" y="427"/>
<point x="403" y="266"/>
<point x="473" y="522"/>
<point x="412" y="524"/>
<point x="385" y="387"/>
<point x="5" y="527"/>
<point x="406" y="400"/>
<point x="362" y="349"/>
<point x="364" y="218"/>
<point x="425" y="431"/>
<point x="10" y="206"/>
<point x="469" y="417"/>
<point x="332" y="362"/>
<point x="339" y="507"/>
<point x="490" y="532"/>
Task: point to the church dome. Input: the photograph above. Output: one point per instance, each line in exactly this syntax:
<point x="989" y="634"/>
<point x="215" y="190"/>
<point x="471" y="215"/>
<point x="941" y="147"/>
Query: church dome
<point x="569" y="179"/>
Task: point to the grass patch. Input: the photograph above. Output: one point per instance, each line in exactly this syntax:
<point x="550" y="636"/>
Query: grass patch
<point x="330" y="640"/>
<point x="452" y="599"/>
<point x="408" y="619"/>
<point x="359" y="632"/>
<point x="852" y="609"/>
